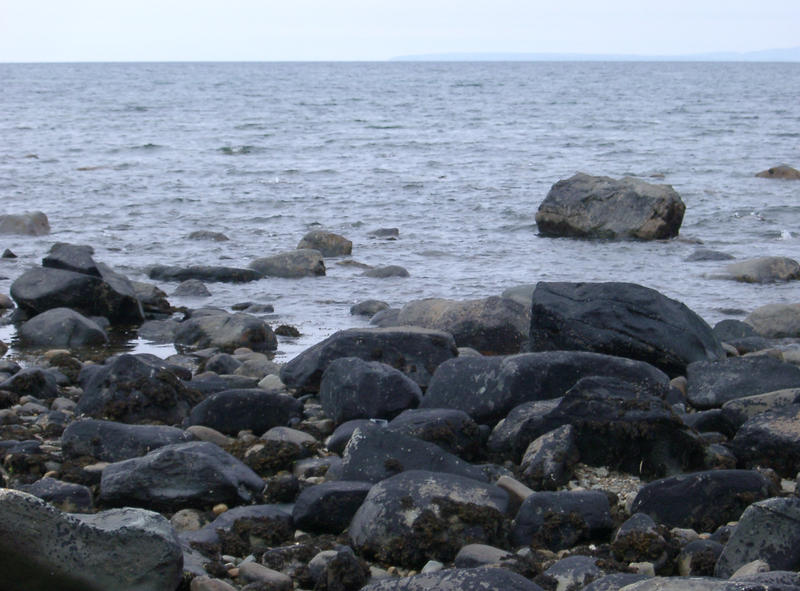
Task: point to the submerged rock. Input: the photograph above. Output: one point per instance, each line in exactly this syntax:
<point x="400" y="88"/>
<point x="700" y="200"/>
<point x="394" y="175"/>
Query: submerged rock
<point x="205" y="273"/>
<point x="293" y="264"/>
<point x="328" y="243"/>
<point x="782" y="171"/>
<point x="33" y="223"/>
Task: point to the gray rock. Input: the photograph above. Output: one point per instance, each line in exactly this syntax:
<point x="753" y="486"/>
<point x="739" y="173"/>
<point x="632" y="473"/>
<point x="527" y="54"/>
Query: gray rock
<point x="764" y="270"/>
<point x="550" y="458"/>
<point x="368" y="308"/>
<point x="338" y="569"/>
<point x="329" y="507"/>
<point x="614" y="582"/>
<point x="207" y="235"/>
<point x="32" y="223"/>
<point x="385" y="233"/>
<point x="61" y="327"/>
<point x="208" y="274"/>
<point x="574" y="572"/>
<point x="159" y="331"/>
<point x="72" y="257"/>
<point x="522" y="424"/>
<point x="705" y="254"/>
<point x="108" y="441"/>
<point x="32" y="381"/>
<point x="782" y="171"/>
<point x="222" y="363"/>
<point x="43" y="549"/>
<point x="154" y="301"/>
<point x="386" y="272"/>
<point x="226" y="332"/>
<point x="193" y="288"/>
<point x="585" y="206"/>
<point x="452" y="430"/>
<point x="698" y="558"/>
<point x="327" y="243"/>
<point x="771" y="439"/>
<point x="67" y="496"/>
<point x="253" y="409"/>
<point x="458" y="579"/>
<point x="292" y="264"/>
<point x="776" y="320"/>
<point x="638" y="540"/>
<point x="739" y="410"/>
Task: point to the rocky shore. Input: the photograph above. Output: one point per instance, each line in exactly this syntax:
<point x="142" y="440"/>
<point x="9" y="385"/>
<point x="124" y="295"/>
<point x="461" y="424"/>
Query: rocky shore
<point x="558" y="436"/>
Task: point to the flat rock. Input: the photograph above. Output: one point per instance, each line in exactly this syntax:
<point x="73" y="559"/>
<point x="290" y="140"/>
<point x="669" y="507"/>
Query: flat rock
<point x="386" y="271"/>
<point x="208" y="274"/>
<point x="764" y="270"/>
<point x="34" y="223"/>
<point x="108" y="441"/>
<point x="293" y="264"/>
<point x="61" y="327"/>
<point x="192" y="288"/>
<point x="328" y="243"/>
<point x="254" y="409"/>
<point x="458" y="579"/>
<point x="771" y="439"/>
<point x="226" y="332"/>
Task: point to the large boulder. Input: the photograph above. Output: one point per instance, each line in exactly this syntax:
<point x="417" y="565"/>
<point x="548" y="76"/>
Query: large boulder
<point x="585" y="206"/>
<point x="208" y="274"/>
<point x="782" y="171"/>
<point x="34" y="223"/>
<point x="355" y="389"/>
<point x="43" y="549"/>
<point x="487" y="388"/>
<point x="622" y="319"/>
<point x="327" y="243"/>
<point x="226" y="332"/>
<point x="417" y="352"/>
<point x="61" y="327"/>
<point x="492" y="325"/>
<point x="771" y="439"/>
<point x="194" y="474"/>
<point x="764" y="270"/>
<point x="417" y="516"/>
<point x="72" y="257"/>
<point x="458" y="579"/>
<point x="776" y="320"/>
<point x="293" y="264"/>
<point x="253" y="409"/>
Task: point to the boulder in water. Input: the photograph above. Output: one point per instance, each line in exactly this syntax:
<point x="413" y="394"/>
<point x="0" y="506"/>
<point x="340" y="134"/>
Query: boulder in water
<point x="764" y="270"/>
<point x="782" y="171"/>
<point x="328" y="243"/>
<point x="293" y="264"/>
<point x="33" y="223"/>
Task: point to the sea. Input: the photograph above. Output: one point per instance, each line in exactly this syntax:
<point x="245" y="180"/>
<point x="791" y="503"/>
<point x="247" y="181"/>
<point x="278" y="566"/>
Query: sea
<point x="131" y="158"/>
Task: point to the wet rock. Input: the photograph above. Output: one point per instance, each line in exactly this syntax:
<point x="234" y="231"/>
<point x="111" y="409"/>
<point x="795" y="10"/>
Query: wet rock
<point x="253" y="409"/>
<point x="61" y="327"/>
<point x="764" y="270"/>
<point x="474" y="555"/>
<point x="206" y="583"/>
<point x="621" y="319"/>
<point x="226" y="332"/>
<point x="698" y="558"/>
<point x="154" y="301"/>
<point x="386" y="272"/>
<point x="327" y="243"/>
<point x="159" y="331"/>
<point x="135" y="389"/>
<point x="368" y="308"/>
<point x="638" y="540"/>
<point x="417" y="352"/>
<point x="782" y="171"/>
<point x="355" y="389"/>
<point x="338" y="570"/>
<point x="776" y="320"/>
<point x="416" y="516"/>
<point x="452" y="430"/>
<point x="32" y="381"/>
<point x="337" y="441"/>
<point x="711" y="421"/>
<point x="109" y="441"/>
<point x="264" y="578"/>
<point x="42" y="548"/>
<point x="614" y="582"/>
<point x="585" y="206"/>
<point x="573" y="572"/>
<point x="385" y="233"/>
<point x="739" y="410"/>
<point x="329" y="507"/>
<point x="712" y="383"/>
<point x="241" y="531"/>
<point x="549" y="459"/>
<point x="194" y="474"/>
<point x="72" y="257"/>
<point x="207" y="235"/>
<point x="34" y="223"/>
<point x="222" y="363"/>
<point x="208" y="274"/>
<point x="706" y="254"/>
<point x="385" y="318"/>
<point x="704" y="500"/>
<point x="771" y="439"/>
<point x="209" y="383"/>
<point x="67" y="496"/>
<point x="192" y="288"/>
<point x="458" y="579"/>
<point x="492" y="325"/>
<point x="291" y="265"/>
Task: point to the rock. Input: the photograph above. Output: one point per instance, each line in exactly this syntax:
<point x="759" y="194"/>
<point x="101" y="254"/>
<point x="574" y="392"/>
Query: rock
<point x="8" y="254"/>
<point x="134" y="389"/>
<point x="61" y="327"/>
<point x="768" y="530"/>
<point x="42" y="548"/>
<point x="108" y="441"/>
<point x="385" y="318"/>
<point x="253" y="409"/>
<point x="621" y="319"/>
<point x="638" y="540"/>
<point x="385" y="233"/>
<point x="573" y="572"/>
<point x="764" y="270"/>
<point x="614" y="582"/>
<point x="180" y="475"/>
<point x="585" y="206"/>
<point x="416" y="352"/>
<point x="416" y="516"/>
<point x="492" y="325"/>
<point x="704" y="500"/>
<point x="159" y="331"/>
<point x="474" y="555"/>
<point x="32" y="381"/>
<point x="210" y="383"/>
<point x="292" y="264"/>
<point x="549" y="459"/>
<point x="241" y="531"/>
<point x="698" y="558"/>
<point x="386" y="272"/>
<point x="73" y="498"/>
<point x="368" y="308"/>
<point x="487" y="388"/>
<point x="226" y="332"/>
<point x="759" y="572"/>
<point x="338" y="569"/>
<point x="559" y="520"/>
<point x="32" y="223"/>
<point x="771" y="439"/>
<point x="207" y="235"/>
<point x="329" y="507"/>
<point x="327" y="243"/>
<point x="337" y="441"/>
<point x="192" y="288"/>
<point x="776" y="321"/>
<point x="354" y="389"/>
<point x="154" y="301"/>
<point x="452" y="430"/>
<point x="72" y="257"/>
<point x="265" y="578"/>
<point x="705" y="254"/>
<point x="111" y="295"/>
<point x="205" y="583"/>
<point x="740" y="410"/>
<point x="688" y="584"/>
<point x="713" y="383"/>
<point x="373" y="454"/>
<point x="781" y="171"/>
<point x="208" y="274"/>
<point x="458" y="579"/>
<point x="222" y="363"/>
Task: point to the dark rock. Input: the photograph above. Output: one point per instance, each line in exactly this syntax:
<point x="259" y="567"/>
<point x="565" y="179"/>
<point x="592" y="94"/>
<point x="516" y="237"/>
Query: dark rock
<point x="8" y="254"/>
<point x="515" y="432"/>
<point x="487" y="388"/>
<point x="416" y="352"/>
<point x="32" y="223"/>
<point x="61" y="327"/>
<point x="192" y="288"/>
<point x="241" y="531"/>
<point x="549" y="459"/>
<point x="452" y="430"/>
<point x="341" y="435"/>
<point x="226" y="332"/>
<point x="292" y="264"/>
<point x="286" y="330"/>
<point x="585" y="206"/>
<point x="705" y="254"/>
<point x="638" y="540"/>
<point x="559" y="520"/>
<point x="739" y="410"/>
<point x="614" y="582"/>
<point x="208" y="274"/>
<point x="458" y="579"/>
<point x="210" y="383"/>
<point x="368" y="308"/>
<point x="771" y="439"/>
<point x="252" y="409"/>
<point x="703" y="500"/>
<point x="776" y="321"/>
<point x="492" y="325"/>
<point x="417" y="516"/>
<point x="159" y="331"/>
<point x="194" y="474"/>
<point x="386" y="271"/>
<point x="473" y="555"/>
<point x="386" y="233"/>
<point x="110" y="295"/>
<point x="730" y="330"/>
<point x="768" y="530"/>
<point x="32" y="381"/>
<point x="42" y="548"/>
<point x="327" y="243"/>
<point x="108" y="441"/>
<point x="355" y="389"/>
<point x="154" y="301"/>
<point x="72" y="257"/>
<point x="573" y="572"/>
<point x="73" y="498"/>
<point x="698" y="558"/>
<point x="712" y="383"/>
<point x="621" y="319"/>
<point x="385" y="318"/>
<point x="782" y="171"/>
<point x="207" y="235"/>
<point x="329" y="507"/>
<point x="373" y="454"/>
<point x="711" y="421"/>
<point x="222" y="363"/>
<point x="764" y="270"/>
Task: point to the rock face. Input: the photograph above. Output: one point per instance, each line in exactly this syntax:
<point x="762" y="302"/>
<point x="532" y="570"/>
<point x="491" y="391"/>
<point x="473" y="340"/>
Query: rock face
<point x="417" y="516"/>
<point x="208" y="274"/>
<point x="585" y="206"/>
<point x="764" y="270"/>
<point x="327" y="243"/>
<point x="492" y="326"/>
<point x="622" y="319"/>
<point x="34" y="223"/>
<point x="61" y="327"/>
<point x="416" y="352"/>
<point x="781" y="171"/>
<point x="226" y="332"/>
<point x="43" y="549"/>
<point x="776" y="320"/>
<point x="293" y="264"/>
<point x="255" y="409"/>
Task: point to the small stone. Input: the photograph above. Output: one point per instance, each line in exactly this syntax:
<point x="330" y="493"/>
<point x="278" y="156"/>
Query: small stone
<point x="643" y="568"/>
<point x="219" y="509"/>
<point x="187" y="520"/>
<point x="252" y="572"/>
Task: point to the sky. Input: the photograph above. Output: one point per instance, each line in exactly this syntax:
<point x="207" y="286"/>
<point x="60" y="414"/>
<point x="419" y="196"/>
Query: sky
<point x="301" y="30"/>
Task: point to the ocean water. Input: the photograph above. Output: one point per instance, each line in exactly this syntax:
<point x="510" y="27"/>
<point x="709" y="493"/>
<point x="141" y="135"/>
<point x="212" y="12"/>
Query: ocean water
<point x="131" y="158"/>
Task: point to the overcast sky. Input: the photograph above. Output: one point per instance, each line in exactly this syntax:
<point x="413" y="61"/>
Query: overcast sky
<point x="178" y="30"/>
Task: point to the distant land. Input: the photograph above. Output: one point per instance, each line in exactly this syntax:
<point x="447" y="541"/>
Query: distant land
<point x="767" y="55"/>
